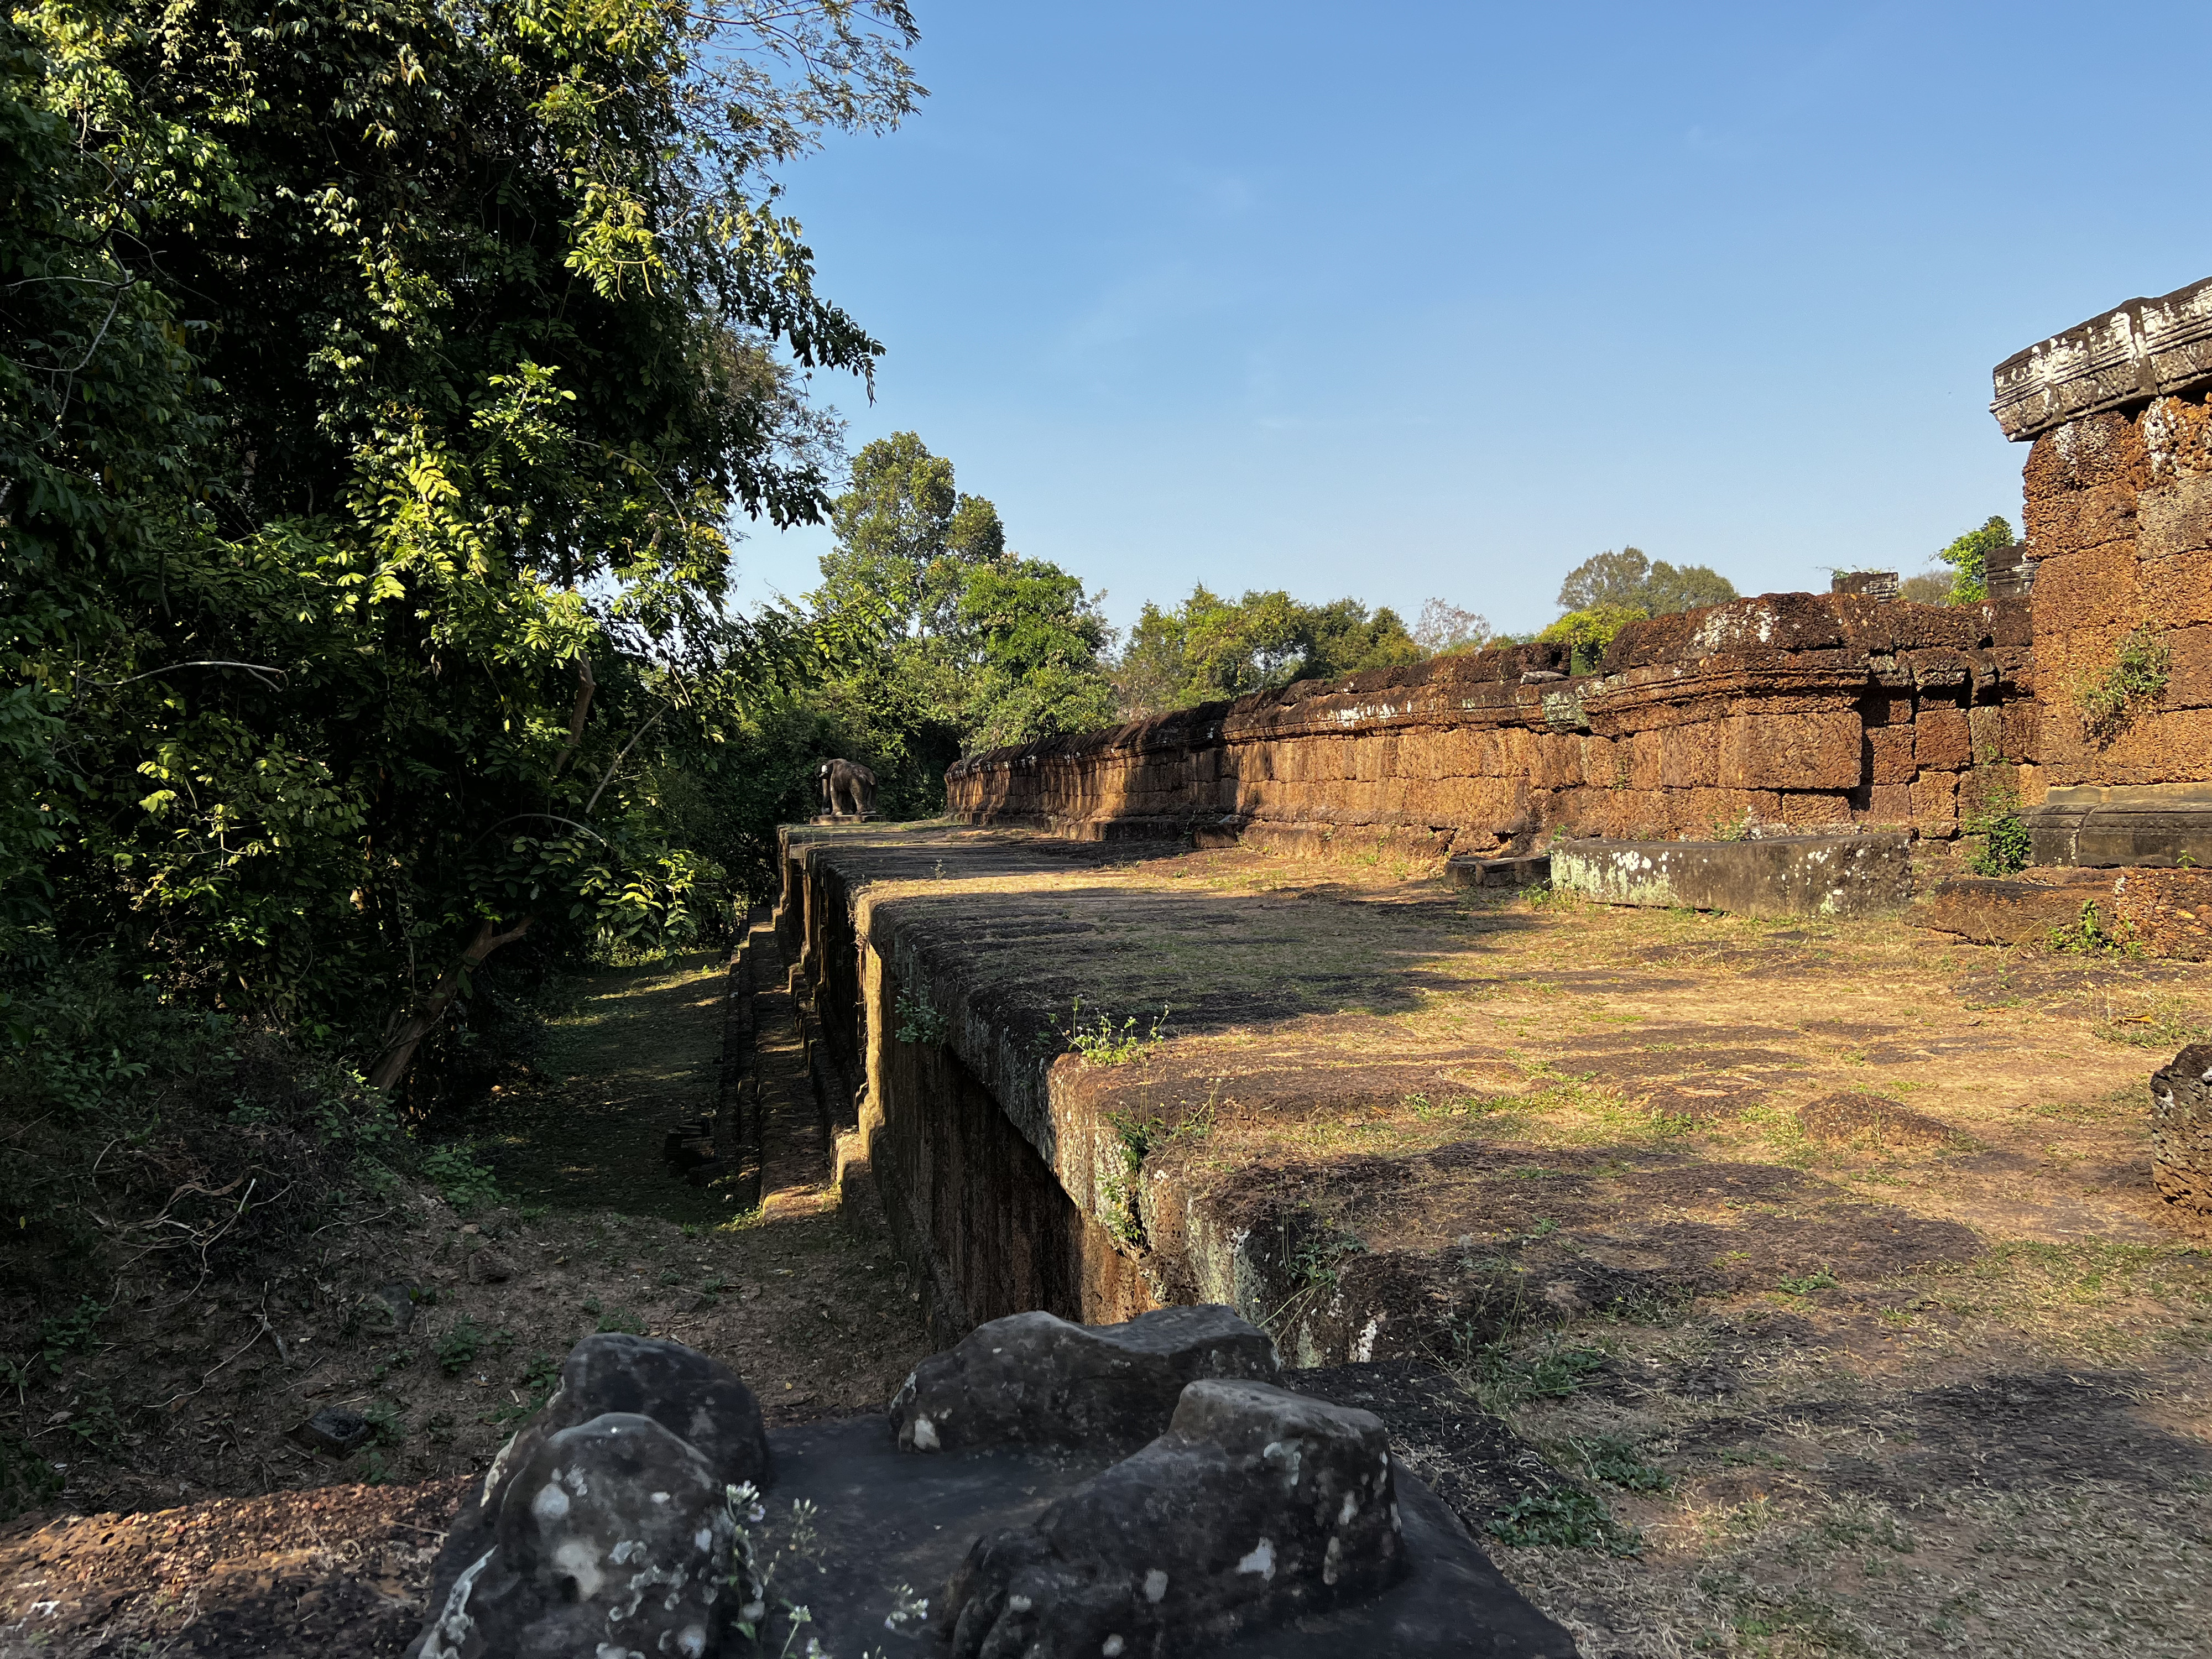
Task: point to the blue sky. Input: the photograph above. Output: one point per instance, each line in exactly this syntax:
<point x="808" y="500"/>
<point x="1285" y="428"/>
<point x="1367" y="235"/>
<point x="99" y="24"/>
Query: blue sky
<point x="1404" y="301"/>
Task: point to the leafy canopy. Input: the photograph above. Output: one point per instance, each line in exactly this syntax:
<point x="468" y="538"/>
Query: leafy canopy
<point x="979" y="646"/>
<point x="1968" y="557"/>
<point x="1627" y="580"/>
<point x="377" y="389"/>
<point x="1209" y="647"/>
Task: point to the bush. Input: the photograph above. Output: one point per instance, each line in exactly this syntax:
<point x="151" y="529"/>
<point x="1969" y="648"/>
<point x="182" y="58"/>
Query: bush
<point x="215" y="1140"/>
<point x="1587" y="633"/>
<point x="2141" y="666"/>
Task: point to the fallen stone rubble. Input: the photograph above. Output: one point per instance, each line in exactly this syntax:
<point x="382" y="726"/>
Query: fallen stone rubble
<point x="1145" y="1489"/>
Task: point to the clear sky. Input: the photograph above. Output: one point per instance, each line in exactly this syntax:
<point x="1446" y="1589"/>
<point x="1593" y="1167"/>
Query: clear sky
<point x="1403" y="300"/>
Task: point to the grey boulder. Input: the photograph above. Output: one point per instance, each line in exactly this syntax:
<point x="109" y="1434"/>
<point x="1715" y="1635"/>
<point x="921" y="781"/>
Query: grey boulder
<point x="1256" y="1507"/>
<point x="613" y="1539"/>
<point x="1034" y="1379"/>
<point x="698" y="1400"/>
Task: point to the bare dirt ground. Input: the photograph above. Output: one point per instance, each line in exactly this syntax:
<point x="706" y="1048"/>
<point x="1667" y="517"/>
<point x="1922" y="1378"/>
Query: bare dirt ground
<point x="191" y="1522"/>
<point x="1842" y="1317"/>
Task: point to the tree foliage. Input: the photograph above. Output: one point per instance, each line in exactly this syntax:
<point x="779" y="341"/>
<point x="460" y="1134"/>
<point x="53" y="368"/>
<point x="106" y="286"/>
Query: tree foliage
<point x="1210" y="648"/>
<point x="1629" y="581"/>
<point x="377" y="387"/>
<point x="1587" y="632"/>
<point x="1968" y="557"/>
<point x="978" y="646"/>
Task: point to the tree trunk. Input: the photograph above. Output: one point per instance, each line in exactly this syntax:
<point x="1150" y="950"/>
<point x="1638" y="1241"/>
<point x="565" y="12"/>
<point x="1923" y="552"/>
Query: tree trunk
<point x="398" y="1054"/>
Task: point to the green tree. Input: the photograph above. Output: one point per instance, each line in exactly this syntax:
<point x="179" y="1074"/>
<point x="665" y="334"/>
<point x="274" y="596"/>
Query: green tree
<point x="1588" y="632"/>
<point x="1968" y="557"/>
<point x="979" y="646"/>
<point x="1627" y="580"/>
<point x="378" y="385"/>
<point x="1209" y="649"/>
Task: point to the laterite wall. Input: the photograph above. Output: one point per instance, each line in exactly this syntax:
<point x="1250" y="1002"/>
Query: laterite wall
<point x="1798" y="710"/>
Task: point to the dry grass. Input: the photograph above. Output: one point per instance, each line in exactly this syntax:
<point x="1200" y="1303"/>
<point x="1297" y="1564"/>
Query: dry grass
<point x="1997" y="1446"/>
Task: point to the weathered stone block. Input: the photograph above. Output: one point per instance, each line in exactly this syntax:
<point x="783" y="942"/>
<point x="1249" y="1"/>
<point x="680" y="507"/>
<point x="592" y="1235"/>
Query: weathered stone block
<point x="1691" y="757"/>
<point x="2074" y="521"/>
<point x="2181" y="1129"/>
<point x="2189" y="680"/>
<point x="1936" y="804"/>
<point x="2108" y="826"/>
<point x="1999" y="910"/>
<point x="1943" y="740"/>
<point x="1889" y="803"/>
<point x="1790" y="751"/>
<point x="1647" y="754"/>
<point x="1817" y="810"/>
<point x="1889" y="754"/>
<point x="2177" y="590"/>
<point x="2174" y="518"/>
<point x="1785" y="876"/>
<point x="1034" y="1379"/>
<point x="2127" y="354"/>
<point x="697" y="1398"/>
<point x="1257" y="1507"/>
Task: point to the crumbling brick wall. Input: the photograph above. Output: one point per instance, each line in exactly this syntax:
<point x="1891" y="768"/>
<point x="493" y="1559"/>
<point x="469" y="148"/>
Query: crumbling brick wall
<point x="1798" y="710"/>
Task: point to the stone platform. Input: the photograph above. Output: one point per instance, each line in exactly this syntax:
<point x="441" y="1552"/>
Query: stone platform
<point x="1838" y="876"/>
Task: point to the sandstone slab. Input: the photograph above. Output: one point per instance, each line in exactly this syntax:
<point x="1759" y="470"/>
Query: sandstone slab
<point x="1841" y="876"/>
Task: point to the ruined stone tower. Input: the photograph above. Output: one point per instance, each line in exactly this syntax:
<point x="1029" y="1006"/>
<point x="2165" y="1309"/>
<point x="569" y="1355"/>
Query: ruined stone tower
<point x="2117" y="567"/>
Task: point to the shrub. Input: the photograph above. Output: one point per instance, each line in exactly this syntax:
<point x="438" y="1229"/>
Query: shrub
<point x="2005" y="843"/>
<point x="1587" y="633"/>
<point x="2141" y="666"/>
<point x="461" y="1181"/>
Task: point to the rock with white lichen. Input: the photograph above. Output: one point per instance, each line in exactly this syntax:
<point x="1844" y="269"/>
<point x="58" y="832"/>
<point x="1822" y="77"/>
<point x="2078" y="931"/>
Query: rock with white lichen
<point x="698" y="1400"/>
<point x="1033" y="1379"/>
<point x="613" y="1538"/>
<point x="1258" y="1506"/>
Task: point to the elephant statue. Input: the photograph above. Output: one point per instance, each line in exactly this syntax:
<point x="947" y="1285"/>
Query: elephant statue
<point x="849" y="789"/>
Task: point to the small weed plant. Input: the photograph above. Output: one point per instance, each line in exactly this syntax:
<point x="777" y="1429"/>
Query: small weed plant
<point x="759" y="1562"/>
<point x="461" y="1181"/>
<point x="1102" y="1042"/>
<point x="2005" y="842"/>
<point x="2088" y="935"/>
<point x="1818" y="1279"/>
<point x="1742" y="829"/>
<point x="919" y="1021"/>
<point x="457" y="1348"/>
<point x="2141" y="664"/>
<point x="1564" y="1518"/>
<point x="1615" y="1463"/>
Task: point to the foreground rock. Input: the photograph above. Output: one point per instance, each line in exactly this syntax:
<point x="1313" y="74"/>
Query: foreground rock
<point x="613" y="1538"/>
<point x="701" y="1402"/>
<point x="1256" y="1522"/>
<point x="1033" y="1379"/>
<point x="2181" y="1129"/>
<point x="1258" y="1505"/>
